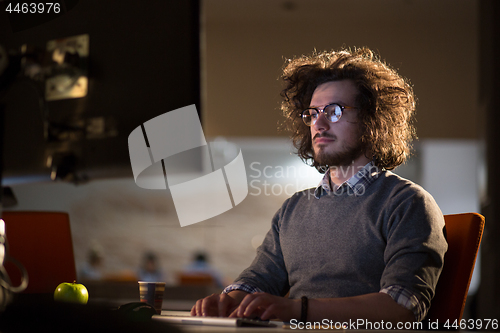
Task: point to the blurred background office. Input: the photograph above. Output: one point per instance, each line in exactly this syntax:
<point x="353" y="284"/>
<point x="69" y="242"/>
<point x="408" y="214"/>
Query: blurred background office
<point x="93" y="267"/>
<point x="150" y="269"/>
<point x="444" y="47"/>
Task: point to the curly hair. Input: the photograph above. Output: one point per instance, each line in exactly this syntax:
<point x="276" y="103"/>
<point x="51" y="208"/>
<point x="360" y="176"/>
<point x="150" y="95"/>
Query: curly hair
<point x="385" y="100"/>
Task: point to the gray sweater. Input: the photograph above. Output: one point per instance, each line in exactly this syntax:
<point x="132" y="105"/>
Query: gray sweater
<point x="345" y="245"/>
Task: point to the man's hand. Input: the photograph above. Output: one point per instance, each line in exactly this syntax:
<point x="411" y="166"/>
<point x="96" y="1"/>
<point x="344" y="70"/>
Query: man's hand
<point x="267" y="306"/>
<point x="218" y="305"/>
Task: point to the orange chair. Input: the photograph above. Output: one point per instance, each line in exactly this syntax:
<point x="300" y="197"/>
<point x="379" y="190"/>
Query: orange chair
<point x="42" y="242"/>
<point x="464" y="232"/>
<point x="195" y="279"/>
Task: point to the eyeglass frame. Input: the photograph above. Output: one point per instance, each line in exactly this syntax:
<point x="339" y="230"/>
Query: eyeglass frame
<point x="322" y="111"/>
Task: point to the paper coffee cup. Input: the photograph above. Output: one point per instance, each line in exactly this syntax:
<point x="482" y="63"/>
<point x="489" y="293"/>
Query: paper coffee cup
<point x="152" y="293"/>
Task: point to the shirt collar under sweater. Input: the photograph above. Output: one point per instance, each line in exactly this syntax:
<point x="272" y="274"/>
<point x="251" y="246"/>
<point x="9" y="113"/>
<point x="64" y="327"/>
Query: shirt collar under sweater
<point x="358" y="183"/>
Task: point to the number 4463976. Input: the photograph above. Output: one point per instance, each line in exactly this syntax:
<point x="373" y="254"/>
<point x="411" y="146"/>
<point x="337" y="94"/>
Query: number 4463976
<point x="472" y="324"/>
<point x="32" y="7"/>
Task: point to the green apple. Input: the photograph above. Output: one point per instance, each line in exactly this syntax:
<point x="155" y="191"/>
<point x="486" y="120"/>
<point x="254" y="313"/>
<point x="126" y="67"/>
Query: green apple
<point x="71" y="292"/>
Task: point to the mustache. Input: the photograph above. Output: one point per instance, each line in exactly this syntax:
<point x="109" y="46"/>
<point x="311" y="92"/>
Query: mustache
<point x="324" y="135"/>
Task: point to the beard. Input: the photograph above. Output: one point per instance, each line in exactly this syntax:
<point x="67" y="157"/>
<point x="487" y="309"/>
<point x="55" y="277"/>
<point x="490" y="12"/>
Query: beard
<point x="343" y="158"/>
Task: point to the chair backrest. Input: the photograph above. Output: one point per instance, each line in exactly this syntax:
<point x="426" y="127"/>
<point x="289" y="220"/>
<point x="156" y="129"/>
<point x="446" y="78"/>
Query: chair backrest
<point x="42" y="242"/>
<point x="464" y="232"/>
<point x="196" y="279"/>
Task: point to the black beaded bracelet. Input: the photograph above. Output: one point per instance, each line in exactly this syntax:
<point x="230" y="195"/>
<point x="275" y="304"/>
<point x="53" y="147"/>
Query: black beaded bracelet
<point x="303" y="309"/>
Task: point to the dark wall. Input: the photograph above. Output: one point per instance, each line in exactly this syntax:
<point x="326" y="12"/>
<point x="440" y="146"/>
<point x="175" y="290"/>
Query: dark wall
<point x="489" y="293"/>
<point x="144" y="61"/>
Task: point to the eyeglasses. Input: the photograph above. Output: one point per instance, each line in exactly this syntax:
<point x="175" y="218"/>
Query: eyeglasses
<point x="332" y="112"/>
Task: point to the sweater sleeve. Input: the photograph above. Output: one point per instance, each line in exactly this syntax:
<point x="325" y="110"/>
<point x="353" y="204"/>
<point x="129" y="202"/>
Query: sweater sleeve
<point x="416" y="245"/>
<point x="267" y="271"/>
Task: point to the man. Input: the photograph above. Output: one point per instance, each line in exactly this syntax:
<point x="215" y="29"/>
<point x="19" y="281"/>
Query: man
<point x="366" y="243"/>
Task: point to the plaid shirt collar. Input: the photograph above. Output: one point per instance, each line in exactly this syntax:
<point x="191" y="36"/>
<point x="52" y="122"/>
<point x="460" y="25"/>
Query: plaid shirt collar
<point x="358" y="183"/>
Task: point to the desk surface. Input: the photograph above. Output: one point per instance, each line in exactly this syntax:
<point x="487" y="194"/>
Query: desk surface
<point x="55" y="317"/>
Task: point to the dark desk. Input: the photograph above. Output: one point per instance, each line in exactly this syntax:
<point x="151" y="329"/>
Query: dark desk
<point x="55" y="317"/>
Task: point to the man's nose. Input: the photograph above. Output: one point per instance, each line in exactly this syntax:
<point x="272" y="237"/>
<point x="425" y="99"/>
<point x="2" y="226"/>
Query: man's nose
<point x="321" y="122"/>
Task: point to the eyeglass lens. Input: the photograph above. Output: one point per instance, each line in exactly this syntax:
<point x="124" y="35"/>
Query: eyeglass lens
<point x="332" y="112"/>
